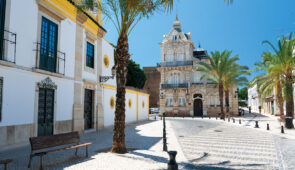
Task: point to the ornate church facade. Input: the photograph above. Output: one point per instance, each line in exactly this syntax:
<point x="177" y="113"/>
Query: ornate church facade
<point x="182" y="92"/>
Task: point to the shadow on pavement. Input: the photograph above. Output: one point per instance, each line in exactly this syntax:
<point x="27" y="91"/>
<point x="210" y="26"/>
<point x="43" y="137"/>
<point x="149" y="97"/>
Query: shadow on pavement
<point x="101" y="139"/>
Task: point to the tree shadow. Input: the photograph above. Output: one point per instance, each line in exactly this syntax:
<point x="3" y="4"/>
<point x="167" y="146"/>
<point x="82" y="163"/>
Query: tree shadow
<point x="101" y="139"/>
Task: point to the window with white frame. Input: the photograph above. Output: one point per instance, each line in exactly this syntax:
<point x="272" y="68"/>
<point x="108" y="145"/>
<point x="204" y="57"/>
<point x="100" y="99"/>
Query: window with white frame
<point x="212" y="101"/>
<point x="169" y="101"/>
<point x="181" y="101"/>
<point x="217" y="100"/>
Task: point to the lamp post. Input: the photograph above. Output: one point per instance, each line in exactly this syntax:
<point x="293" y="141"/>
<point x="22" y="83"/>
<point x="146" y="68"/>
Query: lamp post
<point x="103" y="79"/>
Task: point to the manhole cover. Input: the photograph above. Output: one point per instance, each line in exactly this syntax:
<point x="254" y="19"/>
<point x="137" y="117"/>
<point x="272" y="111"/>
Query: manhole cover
<point x="217" y="131"/>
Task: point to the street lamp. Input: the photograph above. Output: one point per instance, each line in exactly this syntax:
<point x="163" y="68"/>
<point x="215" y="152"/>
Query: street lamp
<point x="106" y="78"/>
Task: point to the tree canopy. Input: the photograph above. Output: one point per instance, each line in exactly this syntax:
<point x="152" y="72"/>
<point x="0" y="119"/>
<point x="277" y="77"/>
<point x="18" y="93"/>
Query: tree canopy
<point x="135" y="76"/>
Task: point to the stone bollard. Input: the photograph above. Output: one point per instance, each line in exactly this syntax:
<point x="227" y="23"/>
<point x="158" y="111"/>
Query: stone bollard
<point x="240" y="122"/>
<point x="155" y="117"/>
<point x="209" y="117"/>
<point x="192" y="117"/>
<point x="228" y="119"/>
<point x="256" y="124"/>
<point x="234" y="121"/>
<point x="282" y="129"/>
<point x="267" y="126"/>
<point x="216" y="118"/>
<point x="172" y="165"/>
<point x="202" y="116"/>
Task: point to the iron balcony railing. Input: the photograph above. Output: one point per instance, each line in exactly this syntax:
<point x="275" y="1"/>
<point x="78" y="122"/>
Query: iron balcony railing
<point x="52" y="61"/>
<point x="175" y="63"/>
<point x="8" y="46"/>
<point x="197" y="83"/>
<point x="174" y="86"/>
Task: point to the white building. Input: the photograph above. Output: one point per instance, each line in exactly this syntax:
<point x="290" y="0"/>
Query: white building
<point x="51" y="63"/>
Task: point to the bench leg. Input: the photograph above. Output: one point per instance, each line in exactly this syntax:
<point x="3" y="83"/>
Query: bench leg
<point x="86" y="150"/>
<point x="31" y="156"/>
<point x="76" y="151"/>
<point x="41" y="162"/>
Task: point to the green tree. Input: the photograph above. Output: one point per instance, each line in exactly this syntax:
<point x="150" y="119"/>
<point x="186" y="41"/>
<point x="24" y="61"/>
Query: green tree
<point x="215" y="71"/>
<point x="284" y="64"/>
<point x="270" y="81"/>
<point x="124" y="14"/>
<point x="233" y="77"/>
<point x="135" y="76"/>
<point x="243" y="93"/>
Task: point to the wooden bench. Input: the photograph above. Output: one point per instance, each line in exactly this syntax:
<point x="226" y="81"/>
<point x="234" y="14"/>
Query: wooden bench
<point x="5" y="163"/>
<point x="45" y="142"/>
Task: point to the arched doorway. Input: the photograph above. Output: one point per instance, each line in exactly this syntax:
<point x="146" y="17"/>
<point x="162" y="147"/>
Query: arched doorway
<point x="198" y="107"/>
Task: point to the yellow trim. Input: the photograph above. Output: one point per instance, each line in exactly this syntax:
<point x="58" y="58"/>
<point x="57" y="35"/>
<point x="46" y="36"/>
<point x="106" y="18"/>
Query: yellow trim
<point x="130" y="103"/>
<point x="71" y="12"/>
<point x="127" y="90"/>
<point x="106" y="61"/>
<point x="112" y="102"/>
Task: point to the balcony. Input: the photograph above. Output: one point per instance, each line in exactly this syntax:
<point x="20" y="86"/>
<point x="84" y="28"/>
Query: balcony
<point x="8" y="47"/>
<point x="174" y="86"/>
<point x="175" y="63"/>
<point x="50" y="60"/>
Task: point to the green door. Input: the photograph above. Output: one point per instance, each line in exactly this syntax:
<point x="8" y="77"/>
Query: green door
<point x="45" y="112"/>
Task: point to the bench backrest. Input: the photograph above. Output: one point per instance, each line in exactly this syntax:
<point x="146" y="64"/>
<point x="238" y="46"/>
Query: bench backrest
<point x="54" y="140"/>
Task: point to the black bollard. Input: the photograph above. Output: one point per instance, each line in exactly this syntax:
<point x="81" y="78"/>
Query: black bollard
<point x="282" y="129"/>
<point x="202" y="117"/>
<point x="233" y="120"/>
<point x="256" y="124"/>
<point x="192" y="117"/>
<point x="267" y="126"/>
<point x="155" y="117"/>
<point x="172" y="165"/>
<point x="240" y="122"/>
<point x="216" y="117"/>
<point x="209" y="117"/>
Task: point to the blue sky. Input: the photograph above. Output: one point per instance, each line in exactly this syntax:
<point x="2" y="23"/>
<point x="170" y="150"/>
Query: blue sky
<point x="240" y="27"/>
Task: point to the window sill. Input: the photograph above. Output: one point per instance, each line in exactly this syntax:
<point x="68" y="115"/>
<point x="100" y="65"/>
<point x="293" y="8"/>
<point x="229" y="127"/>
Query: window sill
<point x="7" y="63"/>
<point x="48" y="73"/>
<point x="89" y="69"/>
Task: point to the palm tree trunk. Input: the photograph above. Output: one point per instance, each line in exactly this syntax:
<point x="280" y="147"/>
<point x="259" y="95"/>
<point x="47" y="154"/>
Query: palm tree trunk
<point x="280" y="100"/>
<point x="289" y="98"/>
<point x="227" y="101"/>
<point x="122" y="57"/>
<point x="220" y="88"/>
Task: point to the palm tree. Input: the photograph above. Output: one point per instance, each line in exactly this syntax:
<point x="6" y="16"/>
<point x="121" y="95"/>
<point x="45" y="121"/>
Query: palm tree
<point x="284" y="64"/>
<point x="270" y="81"/>
<point x="233" y="78"/>
<point x="125" y="15"/>
<point x="215" y="72"/>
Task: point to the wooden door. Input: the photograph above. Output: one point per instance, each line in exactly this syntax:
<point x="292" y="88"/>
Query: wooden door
<point x="198" y="107"/>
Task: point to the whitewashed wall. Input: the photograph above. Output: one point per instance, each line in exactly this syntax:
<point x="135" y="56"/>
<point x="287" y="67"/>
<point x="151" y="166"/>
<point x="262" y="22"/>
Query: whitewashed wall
<point x="109" y="90"/>
<point x="19" y="96"/>
<point x="131" y="112"/>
